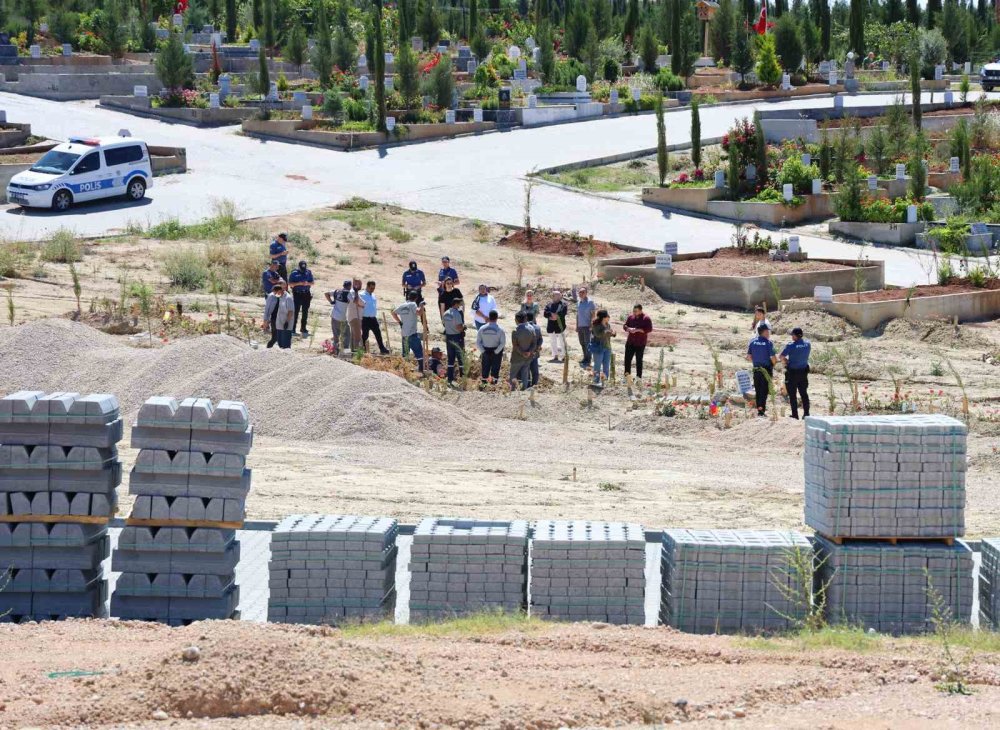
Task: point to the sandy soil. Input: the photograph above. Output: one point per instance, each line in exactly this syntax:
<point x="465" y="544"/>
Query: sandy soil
<point x="588" y="675"/>
<point x="729" y="262"/>
<point x="917" y="291"/>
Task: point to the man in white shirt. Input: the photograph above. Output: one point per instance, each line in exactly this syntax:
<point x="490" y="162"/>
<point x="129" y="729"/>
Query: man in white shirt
<point x="482" y="305"/>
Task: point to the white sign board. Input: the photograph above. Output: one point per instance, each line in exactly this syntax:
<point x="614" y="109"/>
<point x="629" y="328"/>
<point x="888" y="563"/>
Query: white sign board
<point x="900" y="170"/>
<point x="670" y="248"/>
<point x="664" y="261"/>
<point x="477" y="115"/>
<point x="140" y="91"/>
<point x="744" y="383"/>
<point x="823" y="294"/>
<point x="793" y="245"/>
<point x="307" y="112"/>
<point x="390" y="123"/>
<point x="213" y="101"/>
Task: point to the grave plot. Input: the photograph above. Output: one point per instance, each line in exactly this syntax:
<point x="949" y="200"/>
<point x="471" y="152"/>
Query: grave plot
<point x="460" y="566"/>
<point x="328" y="568"/>
<point x="178" y="551"/>
<point x="59" y="474"/>
<point x="583" y="570"/>
<point x="887" y="495"/>
<point x="728" y="581"/>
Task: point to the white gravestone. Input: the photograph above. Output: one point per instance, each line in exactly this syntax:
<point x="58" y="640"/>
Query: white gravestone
<point x="417" y="44"/>
<point x="363" y="83"/>
<point x="838" y="102"/>
<point x="530" y="44"/>
<point x="388" y="83"/>
<point x="67" y="49"/>
<point x="885" y="65"/>
<point x="670" y="247"/>
<point x="833" y="77"/>
<point x="938" y="72"/>
<point x="823" y="294"/>
<point x="911" y="214"/>
<point x="178" y="20"/>
<point x="613" y="99"/>
<point x="532" y="101"/>
<point x="744" y="383"/>
<point x="751" y="171"/>
<point x="390" y="123"/>
<point x="389" y="58"/>
<point x="967" y="68"/>
<point x="307" y="112"/>
<point x="720" y="179"/>
<point x="225" y="85"/>
<point x="817" y="186"/>
<point x="953" y="164"/>
<point x="786" y="82"/>
<point x="43" y="27"/>
<point x="873" y="182"/>
<point x="213" y="101"/>
<point x="140" y="91"/>
<point x="636" y="94"/>
<point x="536" y="56"/>
<point x="793" y="245"/>
<point x="807" y="159"/>
<point x="36" y="51"/>
<point x="477" y="115"/>
<point x="272" y="94"/>
<point x="449" y="116"/>
<point x="513" y="53"/>
<point x="298" y="98"/>
<point x="664" y="261"/>
<point x="362" y="61"/>
<point x="949" y="98"/>
<point x="786" y="192"/>
<point x="581" y="83"/>
<point x="254" y="45"/>
<point x="217" y="40"/>
<point x="900" y="170"/>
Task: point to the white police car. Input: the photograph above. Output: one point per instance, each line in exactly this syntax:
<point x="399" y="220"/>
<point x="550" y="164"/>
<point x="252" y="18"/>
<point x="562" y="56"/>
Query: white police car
<point x="84" y="169"/>
<point x="989" y="77"/>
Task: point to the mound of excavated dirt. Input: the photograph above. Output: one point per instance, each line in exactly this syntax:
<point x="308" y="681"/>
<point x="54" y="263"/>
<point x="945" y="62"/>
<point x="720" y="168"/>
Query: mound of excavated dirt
<point x="290" y="395"/>
<point x="933" y="333"/>
<point x="816" y="325"/>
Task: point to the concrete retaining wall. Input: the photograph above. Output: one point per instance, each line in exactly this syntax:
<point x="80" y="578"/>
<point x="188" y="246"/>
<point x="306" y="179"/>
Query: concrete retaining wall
<point x="761" y="94"/>
<point x="7" y="171"/>
<point x="978" y="243"/>
<point x="779" y="130"/>
<point x="69" y="87"/>
<point x="693" y="199"/>
<point x="14" y="135"/>
<point x="196" y="117"/>
<point x="896" y="234"/>
<point x="743" y="292"/>
<point x="167" y="160"/>
<point x="293" y="130"/>
<point x="773" y="214"/>
<point x="967" y="306"/>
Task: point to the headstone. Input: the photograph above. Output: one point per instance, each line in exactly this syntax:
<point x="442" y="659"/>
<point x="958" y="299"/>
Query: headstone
<point x="503" y="97"/>
<point x="938" y="72"/>
<point x="213" y="101"/>
<point x="532" y="101"/>
<point x="389" y="58"/>
<point x="449" y="116"/>
<point x="363" y="83"/>
<point x="949" y="98"/>
<point x="838" y="102"/>
<point x="442" y="49"/>
<point x="978" y="229"/>
<point x="953" y="164"/>
<point x="362" y="61"/>
<point x="43" y="27"/>
<point x="636" y="94"/>
<point x="581" y="83"/>
<point x="849" y="67"/>
<point x="417" y="44"/>
<point x="536" y="56"/>
<point x="477" y="115"/>
<point x="817" y="186"/>
<point x="824" y="68"/>
<point x="823" y="294"/>
<point x="911" y="214"/>
<point x="390" y="123"/>
<point x="530" y="44"/>
<point x="162" y="34"/>
<point x="140" y="91"/>
<point x="67" y="49"/>
<point x="208" y="29"/>
<point x="786" y="82"/>
<point x="833" y="77"/>
<point x="900" y="170"/>
<point x="885" y="65"/>
<point x="217" y="40"/>
<point x="121" y="132"/>
<point x="307" y="112"/>
<point x="793" y="245"/>
<point x="520" y="74"/>
<point x="664" y="261"/>
<point x="388" y="82"/>
<point x="807" y="159"/>
<point x="471" y="67"/>
<point x="513" y="53"/>
<point x="178" y="20"/>
<point x="225" y="85"/>
<point x="787" y="192"/>
<point x="751" y="171"/>
<point x="614" y="97"/>
<point x="670" y="247"/>
<point x="873" y="182"/>
<point x="967" y="69"/>
<point x="298" y="98"/>
<point x="720" y="179"/>
<point x="36" y="51"/>
<point x="744" y="383"/>
<point x="254" y="45"/>
<point x="187" y="48"/>
<point x="924" y="163"/>
<point x="272" y="94"/>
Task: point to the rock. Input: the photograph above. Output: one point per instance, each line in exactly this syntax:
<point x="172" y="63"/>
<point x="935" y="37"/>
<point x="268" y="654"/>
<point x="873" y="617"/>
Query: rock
<point x="191" y="654"/>
<point x="160" y="715"/>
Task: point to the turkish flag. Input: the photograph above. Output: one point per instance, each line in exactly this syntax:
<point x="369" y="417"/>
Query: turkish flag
<point x="761" y="25"/>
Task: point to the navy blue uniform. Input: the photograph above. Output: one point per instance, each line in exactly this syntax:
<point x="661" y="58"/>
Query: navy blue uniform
<point x="414" y="281"/>
<point x="268" y="279"/>
<point x="761" y="351"/>
<point x="797" y="375"/>
<point x="302" y="296"/>
<point x="277" y="247"/>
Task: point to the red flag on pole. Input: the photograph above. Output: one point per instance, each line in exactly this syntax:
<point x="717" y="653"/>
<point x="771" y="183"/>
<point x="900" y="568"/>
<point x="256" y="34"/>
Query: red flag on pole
<point x="761" y="25"/>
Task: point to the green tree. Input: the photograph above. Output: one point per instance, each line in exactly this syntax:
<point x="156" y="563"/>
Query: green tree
<point x="631" y="23"/>
<point x="473" y="18"/>
<point x="915" y="90"/>
<point x="856" y="29"/>
<point x="376" y="21"/>
<point x="768" y="68"/>
<point x="961" y="147"/>
<point x="915" y="166"/>
<point x="913" y="12"/>
<point x="788" y="42"/>
<point x="441" y="84"/>
<point x="734" y="170"/>
<point x="600" y="14"/>
<point x="263" y="75"/>
<point x="848" y="201"/>
<point x="409" y="79"/>
<point x="662" y="158"/>
<point x="932" y="14"/>
<point x="113" y="28"/>
<point x="480" y="46"/>
<point x="721" y="29"/>
<point x="825" y="27"/>
<point x="297" y="45"/>
<point x="231" y="20"/>
<point x="575" y="37"/>
<point x="664" y="18"/>
<point x="429" y="24"/>
<point x="894" y="11"/>
<point x="648" y="50"/>
<point x="174" y="67"/>
<point x="266" y="33"/>
<point x="954" y="30"/>
<point x="688" y="50"/>
<point x="812" y="42"/>
<point x="256" y="13"/>
<point x="408" y="20"/>
<point x="676" y="37"/>
<point x="759" y="150"/>
<point x="345" y="49"/>
<point x="592" y="53"/>
<point x="695" y="133"/>
<point x="148" y="36"/>
<point x="548" y="54"/>
<point x="742" y="61"/>
<point x="322" y="53"/>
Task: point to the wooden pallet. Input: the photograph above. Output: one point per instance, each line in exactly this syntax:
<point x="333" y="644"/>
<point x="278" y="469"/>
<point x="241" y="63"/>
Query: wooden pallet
<point x="891" y="540"/>
<point x="50" y="519"/>
<point x="136" y="522"/>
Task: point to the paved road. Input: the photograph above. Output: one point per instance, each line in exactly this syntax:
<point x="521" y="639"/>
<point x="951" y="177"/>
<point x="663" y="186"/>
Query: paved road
<point x="473" y="177"/>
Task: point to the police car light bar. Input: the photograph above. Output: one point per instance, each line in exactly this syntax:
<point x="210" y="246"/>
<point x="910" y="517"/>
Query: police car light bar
<point x="89" y="141"/>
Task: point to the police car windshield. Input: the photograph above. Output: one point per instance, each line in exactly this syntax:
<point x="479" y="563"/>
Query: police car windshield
<point x="55" y="163"/>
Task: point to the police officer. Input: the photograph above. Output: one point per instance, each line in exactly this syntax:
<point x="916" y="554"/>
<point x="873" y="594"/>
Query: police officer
<point x="414" y="280"/>
<point x="270" y="277"/>
<point x="760" y="353"/>
<point x="301" y="281"/>
<point x="796" y="359"/>
<point x="279" y="254"/>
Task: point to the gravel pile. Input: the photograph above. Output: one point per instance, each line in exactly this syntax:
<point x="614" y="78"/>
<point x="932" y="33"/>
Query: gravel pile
<point x="333" y="399"/>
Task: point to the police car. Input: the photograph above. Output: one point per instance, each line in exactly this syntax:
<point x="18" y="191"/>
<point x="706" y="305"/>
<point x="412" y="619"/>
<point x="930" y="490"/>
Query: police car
<point x="989" y="77"/>
<point x="85" y="168"/>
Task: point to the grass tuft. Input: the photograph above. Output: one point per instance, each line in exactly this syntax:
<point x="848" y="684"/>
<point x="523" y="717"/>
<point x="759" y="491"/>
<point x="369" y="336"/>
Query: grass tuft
<point x="487" y="622"/>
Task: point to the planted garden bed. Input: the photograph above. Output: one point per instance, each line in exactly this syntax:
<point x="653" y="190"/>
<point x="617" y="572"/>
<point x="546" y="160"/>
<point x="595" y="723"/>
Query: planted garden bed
<point x="306" y="132"/>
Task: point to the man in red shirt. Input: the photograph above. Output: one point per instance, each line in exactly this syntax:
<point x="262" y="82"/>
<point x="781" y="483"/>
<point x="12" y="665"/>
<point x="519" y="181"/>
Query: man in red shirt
<point x="638" y="326"/>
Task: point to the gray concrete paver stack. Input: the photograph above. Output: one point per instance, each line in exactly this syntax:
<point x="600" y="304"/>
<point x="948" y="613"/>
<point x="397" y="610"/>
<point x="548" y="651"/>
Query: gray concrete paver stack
<point x="59" y="474"/>
<point x="178" y="551"/>
<point x="727" y="581"/>
<point x="582" y="570"/>
<point x="989" y="584"/>
<point x="462" y="566"/>
<point x="326" y="569"/>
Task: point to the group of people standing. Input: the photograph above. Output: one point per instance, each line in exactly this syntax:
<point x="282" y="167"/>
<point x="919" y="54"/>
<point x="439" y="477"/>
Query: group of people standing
<point x="795" y="358"/>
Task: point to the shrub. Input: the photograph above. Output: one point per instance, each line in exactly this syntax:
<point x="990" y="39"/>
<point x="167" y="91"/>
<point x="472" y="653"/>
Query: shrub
<point x="798" y="175"/>
<point x="610" y="70"/>
<point x="848" y="202"/>
<point x="62" y="248"/>
<point x="185" y="268"/>
<point x="355" y="110"/>
<point x="768" y="68"/>
<point x="950" y="238"/>
<point x="440" y="86"/>
<point x="788" y="42"/>
<point x="333" y="104"/>
<point x="667" y="80"/>
<point x="174" y="67"/>
<point x="486" y="76"/>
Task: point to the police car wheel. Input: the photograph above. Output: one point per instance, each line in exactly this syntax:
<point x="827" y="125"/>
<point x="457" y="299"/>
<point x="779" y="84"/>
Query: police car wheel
<point x="137" y="189"/>
<point x="62" y="200"/>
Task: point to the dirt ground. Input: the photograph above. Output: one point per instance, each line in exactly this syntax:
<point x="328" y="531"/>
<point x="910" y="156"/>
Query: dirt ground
<point x="729" y="262"/>
<point x="585" y="675"/>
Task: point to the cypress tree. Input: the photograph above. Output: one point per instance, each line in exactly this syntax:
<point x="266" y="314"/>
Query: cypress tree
<point x="933" y="13"/>
<point x="379" y="67"/>
<point x="662" y="158"/>
<point x="915" y="89"/>
<point x="676" y="34"/>
<point x="695" y="134"/>
<point x="230" y="20"/>
<point x="856" y="29"/>
<point x="473" y="18"/>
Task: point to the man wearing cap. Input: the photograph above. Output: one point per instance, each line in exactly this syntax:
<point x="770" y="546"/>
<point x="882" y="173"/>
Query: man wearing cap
<point x="301" y="281"/>
<point x="435" y="361"/>
<point x="454" y="338"/>
<point x="278" y="312"/>
<point x="490" y="341"/>
<point x="760" y="353"/>
<point x="796" y="359"/>
<point x="414" y="280"/>
<point x="279" y="254"/>
<point x="270" y="277"/>
<point x="340" y="300"/>
<point x="585" y="311"/>
<point x="482" y="305"/>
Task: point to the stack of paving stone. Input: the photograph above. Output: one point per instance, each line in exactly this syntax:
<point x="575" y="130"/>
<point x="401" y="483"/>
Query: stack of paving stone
<point x="885" y="476"/>
<point x="59" y="472"/>
<point x="461" y="566"/>
<point x="989" y="584"/>
<point x="178" y="551"/>
<point x="887" y="496"/>
<point x="726" y="581"/>
<point x="588" y="571"/>
<point x="328" y="568"/>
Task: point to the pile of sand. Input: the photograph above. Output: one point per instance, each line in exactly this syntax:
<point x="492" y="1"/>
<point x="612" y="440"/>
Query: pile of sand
<point x="291" y="395"/>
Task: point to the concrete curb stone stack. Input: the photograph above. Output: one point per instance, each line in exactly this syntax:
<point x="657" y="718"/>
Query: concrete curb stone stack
<point x="461" y="566"/>
<point x="728" y="581"/>
<point x="59" y="474"/>
<point x="326" y="569"/>
<point x="178" y="551"/>
<point x="989" y="584"/>
<point x="886" y="495"/>
<point x="588" y="571"/>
